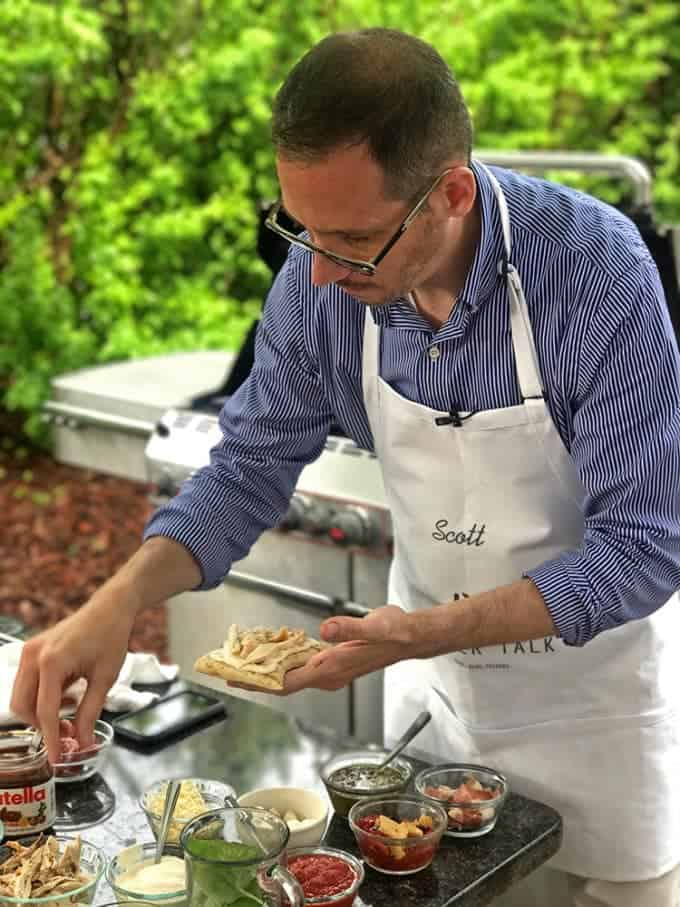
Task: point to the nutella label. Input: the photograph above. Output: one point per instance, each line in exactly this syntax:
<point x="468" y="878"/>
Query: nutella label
<point x="27" y="810"/>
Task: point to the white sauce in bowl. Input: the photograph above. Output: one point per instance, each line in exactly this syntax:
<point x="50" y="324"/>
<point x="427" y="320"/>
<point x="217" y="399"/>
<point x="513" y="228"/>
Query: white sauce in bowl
<point x="149" y="878"/>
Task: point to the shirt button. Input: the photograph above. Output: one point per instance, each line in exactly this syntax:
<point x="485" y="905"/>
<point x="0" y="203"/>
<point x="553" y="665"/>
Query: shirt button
<point x="434" y="353"/>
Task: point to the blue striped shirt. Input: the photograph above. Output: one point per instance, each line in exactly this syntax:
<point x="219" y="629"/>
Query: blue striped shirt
<point x="609" y="362"/>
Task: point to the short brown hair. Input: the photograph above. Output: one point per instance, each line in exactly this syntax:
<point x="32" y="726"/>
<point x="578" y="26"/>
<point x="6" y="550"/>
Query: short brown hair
<point x="380" y="87"/>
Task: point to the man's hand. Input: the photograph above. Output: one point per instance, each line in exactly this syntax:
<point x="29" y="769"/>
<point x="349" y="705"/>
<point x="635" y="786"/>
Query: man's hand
<point x="364" y="644"/>
<point x="92" y="643"/>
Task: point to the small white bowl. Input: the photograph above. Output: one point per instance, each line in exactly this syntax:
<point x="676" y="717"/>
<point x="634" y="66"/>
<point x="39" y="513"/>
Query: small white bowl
<point x="308" y="805"/>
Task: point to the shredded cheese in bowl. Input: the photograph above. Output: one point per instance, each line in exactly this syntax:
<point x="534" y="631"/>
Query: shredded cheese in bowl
<point x="190" y="803"/>
<point x="196" y="796"/>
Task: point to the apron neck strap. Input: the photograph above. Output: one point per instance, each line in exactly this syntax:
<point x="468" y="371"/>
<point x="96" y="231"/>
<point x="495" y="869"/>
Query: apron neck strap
<point x="526" y="361"/>
<point x="371" y="354"/>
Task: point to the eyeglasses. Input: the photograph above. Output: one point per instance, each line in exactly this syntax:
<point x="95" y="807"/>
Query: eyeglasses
<point x="368" y="268"/>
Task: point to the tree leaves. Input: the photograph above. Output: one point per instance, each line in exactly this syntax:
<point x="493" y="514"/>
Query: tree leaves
<point x="134" y="147"/>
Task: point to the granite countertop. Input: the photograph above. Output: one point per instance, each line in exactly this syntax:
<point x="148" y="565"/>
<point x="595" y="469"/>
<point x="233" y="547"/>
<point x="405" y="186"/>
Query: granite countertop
<point x="258" y="747"/>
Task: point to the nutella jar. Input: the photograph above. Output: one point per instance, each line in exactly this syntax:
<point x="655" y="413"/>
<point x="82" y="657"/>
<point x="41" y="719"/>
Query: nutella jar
<point x="27" y="795"/>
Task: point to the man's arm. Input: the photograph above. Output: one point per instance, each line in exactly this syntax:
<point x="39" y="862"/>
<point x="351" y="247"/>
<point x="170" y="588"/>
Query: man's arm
<point x="274" y="425"/>
<point x="159" y="569"/>
<point x="508" y="613"/>
<point x="388" y="635"/>
<point x="625" y="404"/>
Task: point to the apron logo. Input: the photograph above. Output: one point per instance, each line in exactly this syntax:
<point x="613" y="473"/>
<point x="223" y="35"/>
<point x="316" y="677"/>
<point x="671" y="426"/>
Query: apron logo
<point x="530" y="646"/>
<point x="523" y="647"/>
<point x="471" y="536"/>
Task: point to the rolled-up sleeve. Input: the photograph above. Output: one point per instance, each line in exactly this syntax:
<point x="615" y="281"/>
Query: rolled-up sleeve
<point x="626" y="447"/>
<point x="274" y="425"/>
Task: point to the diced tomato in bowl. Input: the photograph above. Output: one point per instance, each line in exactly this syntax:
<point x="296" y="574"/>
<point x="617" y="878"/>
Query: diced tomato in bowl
<point x="472" y="795"/>
<point x="399" y="835"/>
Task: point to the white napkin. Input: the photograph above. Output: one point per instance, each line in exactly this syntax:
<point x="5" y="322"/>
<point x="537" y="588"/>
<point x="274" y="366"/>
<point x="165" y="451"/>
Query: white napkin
<point x="10" y="654"/>
<point x="142" y="667"/>
<point x="138" y="667"/>
<point x="122" y="698"/>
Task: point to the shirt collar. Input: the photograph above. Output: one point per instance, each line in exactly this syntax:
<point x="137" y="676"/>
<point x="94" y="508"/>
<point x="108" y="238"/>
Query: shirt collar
<point x="483" y="277"/>
<point x="398" y="313"/>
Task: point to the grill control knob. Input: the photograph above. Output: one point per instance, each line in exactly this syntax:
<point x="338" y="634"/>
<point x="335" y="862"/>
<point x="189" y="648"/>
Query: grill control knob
<point x="306" y="515"/>
<point x="353" y="526"/>
<point x="316" y="519"/>
<point x="166" y="487"/>
<point x="295" y="514"/>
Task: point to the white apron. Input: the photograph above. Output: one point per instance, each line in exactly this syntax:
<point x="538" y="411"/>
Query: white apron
<point x="590" y="730"/>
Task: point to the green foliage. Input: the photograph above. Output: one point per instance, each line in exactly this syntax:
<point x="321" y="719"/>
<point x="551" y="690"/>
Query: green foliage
<point x="134" y="147"/>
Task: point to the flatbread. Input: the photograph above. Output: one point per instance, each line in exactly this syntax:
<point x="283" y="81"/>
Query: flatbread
<point x="259" y="657"/>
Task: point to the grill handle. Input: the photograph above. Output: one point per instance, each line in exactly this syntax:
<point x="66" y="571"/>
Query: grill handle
<point x="629" y="168"/>
<point x="298" y="597"/>
<point x="76" y="417"/>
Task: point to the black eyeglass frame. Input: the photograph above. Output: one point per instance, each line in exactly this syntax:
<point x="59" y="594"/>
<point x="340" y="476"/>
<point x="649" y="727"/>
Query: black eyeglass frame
<point x="367" y="268"/>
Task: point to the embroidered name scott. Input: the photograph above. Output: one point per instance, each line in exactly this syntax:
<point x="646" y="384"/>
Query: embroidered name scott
<point x="472" y="536"/>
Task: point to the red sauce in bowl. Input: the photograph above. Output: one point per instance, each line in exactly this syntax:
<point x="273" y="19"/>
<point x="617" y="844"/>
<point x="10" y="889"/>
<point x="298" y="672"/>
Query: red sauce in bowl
<point x="321" y="875"/>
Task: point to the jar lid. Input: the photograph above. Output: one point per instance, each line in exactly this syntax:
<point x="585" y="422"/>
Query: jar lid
<point x="15" y="749"/>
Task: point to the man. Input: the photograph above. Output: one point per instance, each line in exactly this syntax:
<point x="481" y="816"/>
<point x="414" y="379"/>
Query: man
<point x="503" y="345"/>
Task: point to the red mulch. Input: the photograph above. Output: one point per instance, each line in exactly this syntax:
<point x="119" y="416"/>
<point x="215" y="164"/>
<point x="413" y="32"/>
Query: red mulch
<point x="63" y="532"/>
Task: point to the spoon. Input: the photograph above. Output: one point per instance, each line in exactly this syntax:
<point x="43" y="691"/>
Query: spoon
<point x="445" y="699"/>
<point x="231" y="801"/>
<point x="171" y="795"/>
<point x="414" y="728"/>
<point x="35" y="741"/>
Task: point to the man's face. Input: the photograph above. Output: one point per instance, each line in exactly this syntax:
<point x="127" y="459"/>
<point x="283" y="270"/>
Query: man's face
<point x="342" y="204"/>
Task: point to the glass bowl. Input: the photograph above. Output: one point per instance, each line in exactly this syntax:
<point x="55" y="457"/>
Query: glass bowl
<point x="401" y="855"/>
<point x="472" y="796"/>
<point x="92" y="863"/>
<point x="344" y="795"/>
<point x="343" y="898"/>
<point x="132" y="858"/>
<point x="84" y="763"/>
<point x="212" y="792"/>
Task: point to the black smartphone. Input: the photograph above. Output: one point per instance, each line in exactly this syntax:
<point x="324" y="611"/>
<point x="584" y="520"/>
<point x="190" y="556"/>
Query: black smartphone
<point x="169" y="717"/>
